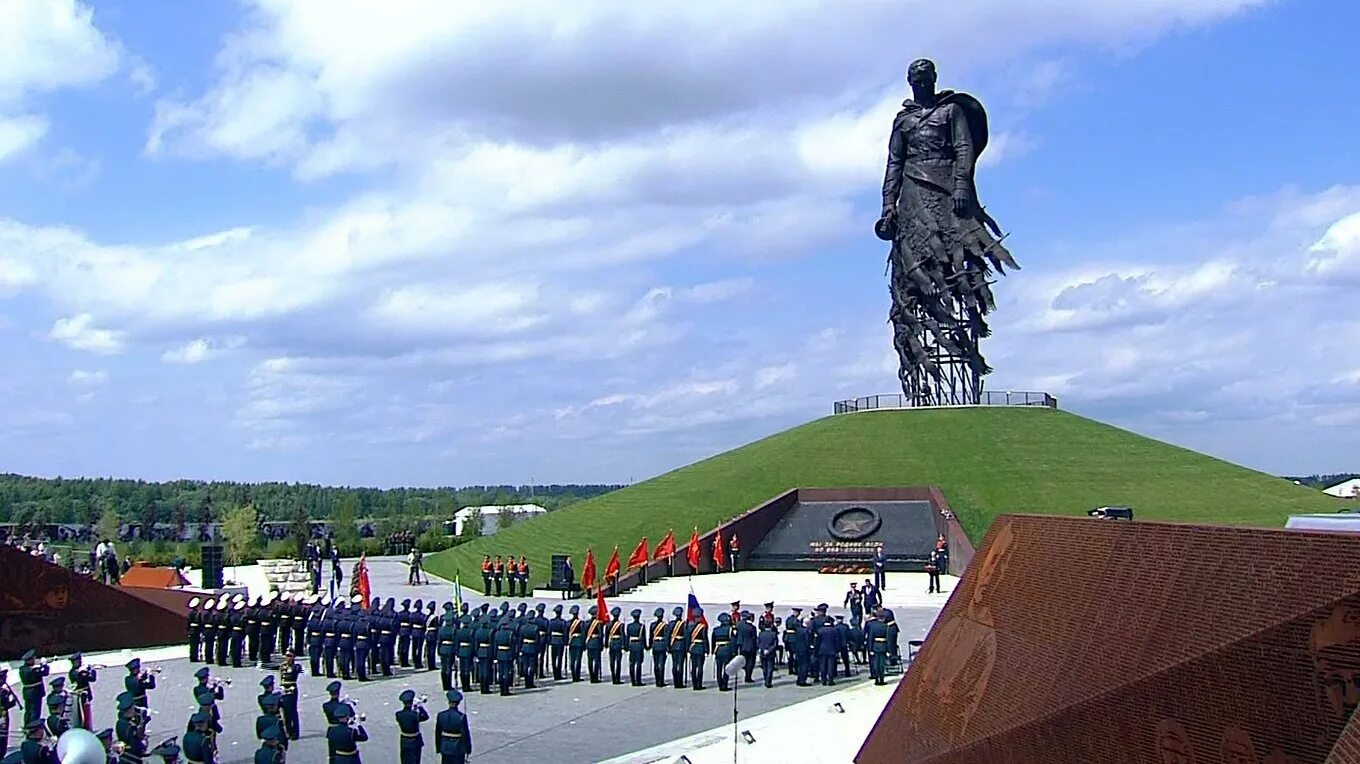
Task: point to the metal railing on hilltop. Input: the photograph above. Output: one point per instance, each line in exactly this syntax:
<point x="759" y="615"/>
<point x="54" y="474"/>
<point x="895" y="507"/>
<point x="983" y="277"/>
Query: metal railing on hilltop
<point x="987" y="398"/>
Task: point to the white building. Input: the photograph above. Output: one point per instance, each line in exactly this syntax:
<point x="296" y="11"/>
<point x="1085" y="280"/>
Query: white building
<point x="1346" y="489"/>
<point x="489" y="516"/>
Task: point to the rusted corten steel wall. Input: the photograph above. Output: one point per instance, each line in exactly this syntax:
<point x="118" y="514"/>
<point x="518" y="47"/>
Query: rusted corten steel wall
<point x="57" y="612"/>
<point x="1083" y="640"/>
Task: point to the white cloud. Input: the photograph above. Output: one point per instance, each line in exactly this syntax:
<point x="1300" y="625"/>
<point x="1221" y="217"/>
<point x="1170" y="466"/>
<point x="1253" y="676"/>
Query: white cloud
<point x="79" y="332"/>
<point x="770" y="376"/>
<point x="84" y="378"/>
<point x="19" y="134"/>
<point x="200" y="350"/>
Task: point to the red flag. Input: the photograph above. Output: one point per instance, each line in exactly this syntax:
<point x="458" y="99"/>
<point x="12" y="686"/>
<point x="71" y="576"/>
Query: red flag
<point x="719" y="556"/>
<point x="601" y="609"/>
<point x="667" y="546"/>
<point x="588" y="573"/>
<point x="361" y="578"/>
<point x="611" y="571"/>
<point x="639" y="555"/>
<point x="694" y="551"/>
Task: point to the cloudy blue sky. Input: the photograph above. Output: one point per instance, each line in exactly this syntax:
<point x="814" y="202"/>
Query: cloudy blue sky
<point x="447" y="243"/>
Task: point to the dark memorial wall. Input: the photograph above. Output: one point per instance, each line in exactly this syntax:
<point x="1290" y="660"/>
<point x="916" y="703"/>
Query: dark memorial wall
<point x="816" y="533"/>
<point x="1082" y="640"/>
<point x="57" y="612"/>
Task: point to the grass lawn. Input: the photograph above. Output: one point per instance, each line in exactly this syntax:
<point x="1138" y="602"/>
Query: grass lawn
<point x="988" y="461"/>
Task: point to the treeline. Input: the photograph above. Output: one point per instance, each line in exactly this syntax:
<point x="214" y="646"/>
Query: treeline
<point x="40" y="501"/>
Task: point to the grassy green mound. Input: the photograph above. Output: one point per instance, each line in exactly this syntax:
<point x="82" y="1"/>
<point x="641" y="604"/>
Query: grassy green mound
<point x="988" y="461"/>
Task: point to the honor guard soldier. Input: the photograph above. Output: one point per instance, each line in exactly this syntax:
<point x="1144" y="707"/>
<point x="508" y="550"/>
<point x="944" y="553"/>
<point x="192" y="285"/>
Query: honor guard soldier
<point x="528" y="649"/>
<point x="744" y="636"/>
<point x="894" y="657"/>
<point x="57" y="723"/>
<point x="362" y="646"/>
<point x="843" y="642"/>
<point x="315" y="634"/>
<point x="344" y="641"/>
<point x="211" y="691"/>
<point x="302" y="607"/>
<point x="678" y="646"/>
<point x="767" y="644"/>
<point x="802" y="648"/>
<point x="828" y="647"/>
<point x="447" y="638"/>
<point x="271" y="750"/>
<point x="504" y="642"/>
<point x="268" y="701"/>
<point x="253" y="612"/>
<point x="289" y="672"/>
<point x="373" y="621"/>
<point x="207" y="629"/>
<point x="409" y="719"/>
<point x="81" y="679"/>
<point x="333" y="702"/>
<point x="466" y="644"/>
<point x="722" y="649"/>
<point x="283" y="622"/>
<point x="195" y="628"/>
<point x="330" y="640"/>
<point x="876" y="637"/>
<point x="269" y="629"/>
<point x="417" y="619"/>
<point x="222" y="617"/>
<point x="576" y="641"/>
<point x="451" y="731"/>
<point x="486" y="575"/>
<point x="523" y="576"/>
<point x="697" y="634"/>
<point x="131" y="730"/>
<point x="238" y="633"/>
<point x="388" y="655"/>
<point x="790" y="630"/>
<point x="138" y="682"/>
<point x="613" y="639"/>
<point x="635" y="635"/>
<point x="497" y="573"/>
<point x="8" y="700"/>
<point x="199" y="745"/>
<point x="595" y="631"/>
<point x="343" y="738"/>
<point x="660" y="646"/>
<point x="34" y="749"/>
<point x="482" y="636"/>
<point x="541" y="620"/>
<point x="557" y="640"/>
<point x="33" y="678"/>
<point x="404" y="634"/>
<point x="431" y="636"/>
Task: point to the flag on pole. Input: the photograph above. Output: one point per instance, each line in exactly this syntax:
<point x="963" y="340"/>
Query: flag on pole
<point x="719" y="555"/>
<point x="639" y="555"/>
<point x="667" y="546"/>
<point x="601" y="609"/>
<point x="588" y="573"/>
<point x="693" y="611"/>
<point x="457" y="593"/>
<point x="360" y="583"/>
<point x="611" y="570"/>
<point x="694" y="552"/>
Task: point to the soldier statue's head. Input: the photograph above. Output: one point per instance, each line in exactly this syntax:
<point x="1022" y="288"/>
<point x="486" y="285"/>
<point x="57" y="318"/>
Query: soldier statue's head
<point x="921" y="75"/>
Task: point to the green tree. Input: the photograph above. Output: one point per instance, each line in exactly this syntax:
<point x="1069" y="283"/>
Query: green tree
<point x="505" y="518"/>
<point x="343" y="525"/>
<point x="240" y="531"/>
<point x="108" y="525"/>
<point x="300" y="528"/>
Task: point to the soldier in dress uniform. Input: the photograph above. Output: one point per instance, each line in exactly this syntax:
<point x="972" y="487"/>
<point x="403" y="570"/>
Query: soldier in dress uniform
<point x="497" y="573"/>
<point x="431" y="636"/>
<point x="207" y="629"/>
<point x="207" y="695"/>
<point x="8" y="700"/>
<point x="253" y="612"/>
<point x="576" y="641"/>
<point x="32" y="678"/>
<point x="403" y="626"/>
<point x="343" y="739"/>
<point x="344" y="640"/>
<point x="271" y="750"/>
<point x="843" y="642"/>
<point x="33" y="749"/>
<point x="801" y="644"/>
<point x="541" y="620"/>
<point x="331" y="703"/>
<point x="138" y="682"/>
<point x="81" y="678"/>
<point x="269" y="718"/>
<point x="237" y="645"/>
<point x="767" y="644"/>
<point x="876" y="636"/>
<point x="503" y="640"/>
<point x="594" y="642"/>
<point x="199" y="745"/>
<point x="466" y="637"/>
<point x="269" y="629"/>
<point x="827" y="644"/>
<point x="282" y="611"/>
<point x="409" y="718"/>
<point x="387" y="636"/>
<point x="131" y="730"/>
<point x="194" y="632"/>
<point x="744" y="635"/>
<point x="614" y="641"/>
<point x="222" y="617"/>
<point x="486" y="575"/>
<point x="302" y="606"/>
<point x="894" y="656"/>
<point x="446" y="638"/>
<point x="697" y="636"/>
<point x="722" y="649"/>
<point x="56" y="722"/>
<point x="557" y="640"/>
<point x="289" y="671"/>
<point x="452" y="733"/>
<point x="330" y="639"/>
<point x="315" y="634"/>
<point x="528" y="649"/>
<point x="482" y="653"/>
<point x="635" y="636"/>
<point x="417" y="620"/>
<point x="790" y="631"/>
<point x="659" y="644"/>
<point x="363" y="645"/>
<point x="678" y="646"/>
